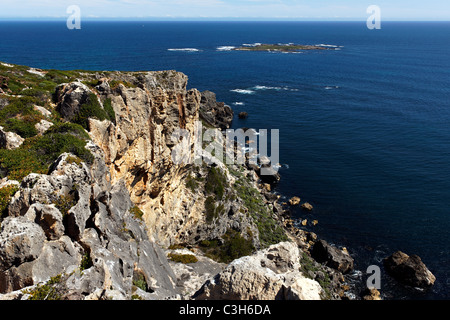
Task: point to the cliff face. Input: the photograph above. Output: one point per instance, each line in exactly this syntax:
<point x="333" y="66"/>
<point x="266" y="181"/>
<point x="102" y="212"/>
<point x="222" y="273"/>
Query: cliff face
<point x="94" y="196"/>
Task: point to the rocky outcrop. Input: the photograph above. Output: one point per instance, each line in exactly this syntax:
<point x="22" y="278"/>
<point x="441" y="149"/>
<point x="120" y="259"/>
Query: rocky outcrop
<point x="333" y="257"/>
<point x="10" y="140"/>
<point x="69" y="223"/>
<point x="409" y="270"/>
<point x="243" y="115"/>
<point x="216" y="114"/>
<point x="70" y="98"/>
<point x="95" y="231"/>
<point x="269" y="274"/>
<point x="294" y="201"/>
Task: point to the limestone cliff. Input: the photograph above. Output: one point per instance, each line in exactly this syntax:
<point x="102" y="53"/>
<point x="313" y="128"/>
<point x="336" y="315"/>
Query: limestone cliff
<point x="96" y="207"/>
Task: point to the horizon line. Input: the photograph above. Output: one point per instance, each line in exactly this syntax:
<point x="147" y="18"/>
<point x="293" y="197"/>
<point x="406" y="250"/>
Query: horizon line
<point x="211" y="19"/>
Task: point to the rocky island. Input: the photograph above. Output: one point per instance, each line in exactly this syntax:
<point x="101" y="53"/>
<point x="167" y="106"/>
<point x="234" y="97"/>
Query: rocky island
<point x="93" y="206"/>
<point x="281" y="47"/>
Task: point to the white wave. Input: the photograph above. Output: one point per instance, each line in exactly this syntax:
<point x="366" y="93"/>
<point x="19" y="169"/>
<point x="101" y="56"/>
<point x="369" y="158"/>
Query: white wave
<point x="225" y="48"/>
<point x="243" y="91"/>
<point x="274" y="88"/>
<point x="327" y="45"/>
<point x="238" y="103"/>
<point x="266" y="88"/>
<point x="331" y="87"/>
<point x="184" y="49"/>
<point x="252" y="44"/>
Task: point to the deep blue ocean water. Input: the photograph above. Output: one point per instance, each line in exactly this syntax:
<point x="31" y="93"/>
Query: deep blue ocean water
<point x="364" y="130"/>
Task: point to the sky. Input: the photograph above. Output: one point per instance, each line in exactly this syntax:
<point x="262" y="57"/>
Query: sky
<point x="413" y="10"/>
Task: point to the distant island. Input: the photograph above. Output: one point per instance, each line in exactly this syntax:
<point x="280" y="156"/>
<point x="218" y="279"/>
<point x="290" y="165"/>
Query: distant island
<point x="282" y="47"/>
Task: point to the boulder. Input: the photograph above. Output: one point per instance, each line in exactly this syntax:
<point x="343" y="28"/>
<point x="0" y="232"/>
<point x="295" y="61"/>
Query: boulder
<point x="294" y="201"/>
<point x="43" y="126"/>
<point x="409" y="270"/>
<point x="20" y="241"/>
<point x="243" y="115"/>
<point x="10" y="140"/>
<point x="333" y="257"/>
<point x="270" y="274"/>
<point x="307" y="206"/>
<point x="70" y="97"/>
<point x="371" y="294"/>
<point x="217" y="114"/>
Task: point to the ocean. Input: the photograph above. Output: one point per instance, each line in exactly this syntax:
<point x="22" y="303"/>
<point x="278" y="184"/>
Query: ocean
<point x="364" y="128"/>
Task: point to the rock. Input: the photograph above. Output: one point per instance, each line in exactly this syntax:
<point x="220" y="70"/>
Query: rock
<point x="20" y="241"/>
<point x="43" y="111"/>
<point x="49" y="218"/>
<point x="334" y="258"/>
<point x="70" y="97"/>
<point x="243" y="115"/>
<point x="10" y="140"/>
<point x="43" y="126"/>
<point x="307" y="206"/>
<point x="98" y="232"/>
<point x="192" y="276"/>
<point x="269" y="274"/>
<point x="409" y="270"/>
<point x="294" y="201"/>
<point x="371" y="294"/>
<point x="217" y="114"/>
<point x="269" y="175"/>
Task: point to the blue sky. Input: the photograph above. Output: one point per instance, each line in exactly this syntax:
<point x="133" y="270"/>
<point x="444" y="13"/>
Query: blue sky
<point x="236" y="9"/>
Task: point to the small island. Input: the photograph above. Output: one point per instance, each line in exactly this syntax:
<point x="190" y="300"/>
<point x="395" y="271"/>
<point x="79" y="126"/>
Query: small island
<point x="281" y="47"/>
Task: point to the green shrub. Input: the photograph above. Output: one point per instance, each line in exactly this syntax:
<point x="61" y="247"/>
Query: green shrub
<point x="73" y="129"/>
<point x="25" y="129"/>
<point x="51" y="145"/>
<point x="90" y="109"/>
<point x="37" y="153"/>
<point x="210" y="208"/>
<point x="234" y="246"/>
<point x="64" y="203"/>
<point x="19" y="106"/>
<point x="216" y="182"/>
<point x="47" y="291"/>
<point x="86" y="262"/>
<point x="17" y="164"/>
<point x="183" y="258"/>
<point x="137" y="213"/>
<point x="109" y="110"/>
<point x="140" y="282"/>
<point x="6" y="194"/>
<point x="270" y="232"/>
